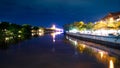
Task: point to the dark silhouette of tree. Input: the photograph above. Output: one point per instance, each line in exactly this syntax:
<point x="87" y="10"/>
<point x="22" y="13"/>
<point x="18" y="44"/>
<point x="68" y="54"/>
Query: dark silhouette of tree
<point x="4" y="25"/>
<point x="26" y="30"/>
<point x="35" y="28"/>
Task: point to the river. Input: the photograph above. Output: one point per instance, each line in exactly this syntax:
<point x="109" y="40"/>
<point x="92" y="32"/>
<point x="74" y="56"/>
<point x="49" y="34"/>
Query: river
<point x="56" y="51"/>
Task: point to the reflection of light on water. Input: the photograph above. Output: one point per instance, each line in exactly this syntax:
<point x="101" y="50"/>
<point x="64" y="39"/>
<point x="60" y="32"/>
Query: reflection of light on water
<point x="101" y="54"/>
<point x="83" y="45"/>
<point x="33" y="34"/>
<point x="75" y="42"/>
<point x="53" y="40"/>
<point x="66" y="37"/>
<point x="19" y="36"/>
<point x="41" y="33"/>
<point x="111" y="64"/>
<point x="7" y="38"/>
<point x="54" y="35"/>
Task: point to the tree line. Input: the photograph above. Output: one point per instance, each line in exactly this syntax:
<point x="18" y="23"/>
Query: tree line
<point x="13" y="30"/>
<point x="92" y="26"/>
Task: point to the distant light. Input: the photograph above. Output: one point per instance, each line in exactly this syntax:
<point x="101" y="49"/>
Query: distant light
<point x="19" y="31"/>
<point x="33" y="34"/>
<point x="40" y="30"/>
<point x="111" y="19"/>
<point x="74" y="31"/>
<point x="53" y="27"/>
<point x="75" y="42"/>
<point x="7" y="38"/>
<point x="19" y="36"/>
<point x="41" y="33"/>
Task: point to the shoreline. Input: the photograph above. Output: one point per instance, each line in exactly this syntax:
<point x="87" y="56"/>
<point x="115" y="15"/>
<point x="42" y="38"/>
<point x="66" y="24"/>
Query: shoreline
<point x="98" y="41"/>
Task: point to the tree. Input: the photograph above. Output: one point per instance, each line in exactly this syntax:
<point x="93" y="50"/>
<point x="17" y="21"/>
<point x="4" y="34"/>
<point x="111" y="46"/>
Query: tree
<point x="26" y="30"/>
<point x="89" y="25"/>
<point x="78" y="24"/>
<point x="35" y="28"/>
<point x="68" y="27"/>
<point x="13" y="29"/>
<point x="4" y="25"/>
<point x="100" y="25"/>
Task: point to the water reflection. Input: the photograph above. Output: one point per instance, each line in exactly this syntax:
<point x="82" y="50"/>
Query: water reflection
<point x="111" y="64"/>
<point x="38" y="34"/>
<point x="41" y="33"/>
<point x="101" y="55"/>
<point x="5" y="42"/>
<point x="54" y="35"/>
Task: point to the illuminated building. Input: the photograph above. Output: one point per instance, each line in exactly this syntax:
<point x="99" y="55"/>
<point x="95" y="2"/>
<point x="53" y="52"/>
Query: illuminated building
<point x="115" y="16"/>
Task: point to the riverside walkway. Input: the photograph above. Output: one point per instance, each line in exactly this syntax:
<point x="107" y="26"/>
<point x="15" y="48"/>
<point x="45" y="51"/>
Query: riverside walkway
<point x="106" y="40"/>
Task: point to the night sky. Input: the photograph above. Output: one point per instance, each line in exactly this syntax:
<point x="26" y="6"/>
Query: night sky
<point x="59" y="12"/>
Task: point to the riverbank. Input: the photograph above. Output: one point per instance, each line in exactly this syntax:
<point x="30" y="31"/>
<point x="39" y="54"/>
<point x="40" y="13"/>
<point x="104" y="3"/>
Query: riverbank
<point x="107" y="41"/>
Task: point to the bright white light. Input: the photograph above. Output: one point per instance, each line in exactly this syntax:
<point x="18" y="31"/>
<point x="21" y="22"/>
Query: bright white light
<point x="111" y="19"/>
<point x="33" y="34"/>
<point x="41" y="33"/>
<point x="40" y="30"/>
<point x="54" y="35"/>
<point x="7" y="38"/>
<point x="53" y="27"/>
<point x="19" y="31"/>
<point x="75" y="42"/>
<point x="111" y="64"/>
<point x="19" y="36"/>
<point x="74" y="31"/>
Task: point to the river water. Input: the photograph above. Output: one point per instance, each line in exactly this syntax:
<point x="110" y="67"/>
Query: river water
<point x="56" y="51"/>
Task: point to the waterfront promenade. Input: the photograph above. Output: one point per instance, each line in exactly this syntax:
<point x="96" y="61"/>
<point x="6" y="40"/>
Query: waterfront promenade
<point x="111" y="41"/>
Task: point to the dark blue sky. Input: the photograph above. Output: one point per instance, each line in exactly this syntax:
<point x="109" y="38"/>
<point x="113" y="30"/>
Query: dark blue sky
<point x="59" y="12"/>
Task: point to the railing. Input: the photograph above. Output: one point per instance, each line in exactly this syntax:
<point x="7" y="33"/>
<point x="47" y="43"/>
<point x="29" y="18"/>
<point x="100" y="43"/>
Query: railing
<point x="113" y="39"/>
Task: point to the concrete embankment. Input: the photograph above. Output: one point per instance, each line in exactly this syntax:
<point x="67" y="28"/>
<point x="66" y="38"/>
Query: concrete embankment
<point x="98" y="41"/>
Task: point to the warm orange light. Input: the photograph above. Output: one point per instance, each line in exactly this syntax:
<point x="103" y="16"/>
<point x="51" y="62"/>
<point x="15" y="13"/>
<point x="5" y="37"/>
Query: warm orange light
<point x="101" y="54"/>
<point x="84" y="45"/>
<point x="41" y="33"/>
<point x="111" y="64"/>
<point x="111" y="19"/>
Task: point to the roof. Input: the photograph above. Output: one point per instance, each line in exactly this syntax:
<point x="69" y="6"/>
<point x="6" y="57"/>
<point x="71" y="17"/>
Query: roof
<point x="115" y="15"/>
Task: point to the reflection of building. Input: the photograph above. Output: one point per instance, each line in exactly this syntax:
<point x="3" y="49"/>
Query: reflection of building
<point x="115" y="16"/>
<point x="39" y="32"/>
<point x="101" y="54"/>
